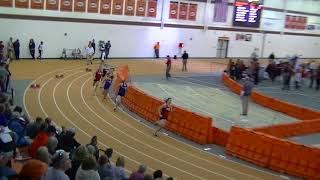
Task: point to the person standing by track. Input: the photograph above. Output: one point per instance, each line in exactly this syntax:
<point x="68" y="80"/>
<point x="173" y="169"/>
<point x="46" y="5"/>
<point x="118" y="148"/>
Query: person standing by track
<point x="164" y="111"/>
<point x="121" y="93"/>
<point x="185" y="57"/>
<point x="168" y="68"/>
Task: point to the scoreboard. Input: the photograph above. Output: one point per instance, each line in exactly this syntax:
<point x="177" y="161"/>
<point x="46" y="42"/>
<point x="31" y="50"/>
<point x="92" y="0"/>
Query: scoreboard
<point x="247" y="14"/>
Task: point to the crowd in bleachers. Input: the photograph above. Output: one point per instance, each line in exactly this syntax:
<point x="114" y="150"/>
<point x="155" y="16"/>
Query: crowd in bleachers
<point x="48" y="152"/>
<point x="290" y="71"/>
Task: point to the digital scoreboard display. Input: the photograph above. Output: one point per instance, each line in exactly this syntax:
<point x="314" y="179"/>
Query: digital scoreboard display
<point x="247" y="14"/>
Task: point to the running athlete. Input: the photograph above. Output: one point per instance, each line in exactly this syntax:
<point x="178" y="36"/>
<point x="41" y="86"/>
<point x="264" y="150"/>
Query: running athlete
<point x="97" y="78"/>
<point x="121" y="92"/>
<point x="106" y="86"/>
<point x="164" y="111"/>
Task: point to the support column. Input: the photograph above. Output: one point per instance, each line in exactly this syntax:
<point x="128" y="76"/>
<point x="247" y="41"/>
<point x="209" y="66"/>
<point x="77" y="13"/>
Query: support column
<point x="284" y="15"/>
<point x="163" y="8"/>
<point x="206" y="17"/>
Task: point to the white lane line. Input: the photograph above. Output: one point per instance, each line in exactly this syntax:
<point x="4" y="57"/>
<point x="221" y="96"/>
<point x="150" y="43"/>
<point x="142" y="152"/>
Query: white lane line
<point x="175" y="97"/>
<point x="116" y="129"/>
<point x="125" y="134"/>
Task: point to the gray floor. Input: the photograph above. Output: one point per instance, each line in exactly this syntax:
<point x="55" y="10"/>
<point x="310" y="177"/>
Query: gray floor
<point x="207" y="95"/>
<point x="310" y="139"/>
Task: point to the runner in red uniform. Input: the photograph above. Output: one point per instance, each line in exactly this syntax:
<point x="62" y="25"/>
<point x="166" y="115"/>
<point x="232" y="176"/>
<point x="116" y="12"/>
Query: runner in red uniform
<point x="97" y="78"/>
<point x="164" y="111"/>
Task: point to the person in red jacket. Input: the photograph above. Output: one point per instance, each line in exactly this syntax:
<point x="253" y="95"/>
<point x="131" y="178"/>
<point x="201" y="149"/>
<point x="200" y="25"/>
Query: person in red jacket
<point x="168" y="63"/>
<point x="42" y="138"/>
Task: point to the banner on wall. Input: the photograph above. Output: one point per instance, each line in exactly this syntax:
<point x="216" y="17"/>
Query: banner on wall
<point x="117" y="7"/>
<point x="105" y="6"/>
<point x="93" y="6"/>
<point x="37" y="4"/>
<point x="52" y="4"/>
<point x="220" y="11"/>
<point x="193" y="9"/>
<point x="152" y="8"/>
<point x="183" y="11"/>
<point x="22" y="3"/>
<point x="6" y="3"/>
<point x="295" y="22"/>
<point x="173" y="10"/>
<point x="66" y="5"/>
<point x="80" y="5"/>
<point x="141" y="8"/>
<point x="130" y="7"/>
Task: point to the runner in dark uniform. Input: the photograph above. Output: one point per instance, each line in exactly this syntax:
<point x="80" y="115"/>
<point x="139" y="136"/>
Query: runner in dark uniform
<point x="121" y="92"/>
<point x="107" y="84"/>
<point x="164" y="111"/>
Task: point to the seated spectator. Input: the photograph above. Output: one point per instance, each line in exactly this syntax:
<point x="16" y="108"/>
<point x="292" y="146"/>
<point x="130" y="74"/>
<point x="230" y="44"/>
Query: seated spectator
<point x="52" y="145"/>
<point x="67" y="141"/>
<point x="88" y="170"/>
<point x="119" y="170"/>
<point x="105" y="169"/>
<point x="139" y="174"/>
<point x="48" y="121"/>
<point x="17" y="111"/>
<point x="33" y="170"/>
<point x="79" y="155"/>
<point x="157" y="175"/>
<point x="43" y="155"/>
<point x="93" y="143"/>
<point x="16" y="126"/>
<point x="42" y="138"/>
<point x="5" y="170"/>
<point x="3" y="119"/>
<point x="34" y="128"/>
<point x="8" y="140"/>
<point x="60" y="164"/>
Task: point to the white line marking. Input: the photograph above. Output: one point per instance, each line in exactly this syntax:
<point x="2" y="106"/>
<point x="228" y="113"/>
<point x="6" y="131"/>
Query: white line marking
<point x="82" y="97"/>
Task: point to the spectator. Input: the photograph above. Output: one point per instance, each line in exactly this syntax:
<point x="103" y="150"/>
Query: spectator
<point x="48" y="121"/>
<point x="42" y="138"/>
<point x="16" y="47"/>
<point x="3" y="77"/>
<point x="105" y="169"/>
<point x="32" y="48"/>
<point x="272" y="70"/>
<point x="318" y="78"/>
<point x="10" y="52"/>
<point x="8" y="77"/>
<point x="107" y="49"/>
<point x="34" y="128"/>
<point x="185" y="57"/>
<point x="80" y="154"/>
<point x="103" y="50"/>
<point x="90" y="53"/>
<point x="8" y="140"/>
<point x="52" y="145"/>
<point x="245" y="94"/>
<point x="33" y="170"/>
<point x="272" y="57"/>
<point x="287" y="73"/>
<point x="93" y="143"/>
<point x="40" y="49"/>
<point x="93" y="44"/>
<point x="298" y="78"/>
<point x="3" y="120"/>
<point x="43" y="155"/>
<point x="168" y="68"/>
<point x="254" y="54"/>
<point x="88" y="170"/>
<point x="16" y="126"/>
<point x="5" y="170"/>
<point x="119" y="171"/>
<point x="60" y="164"/>
<point x="68" y="142"/>
<point x="157" y="175"/>
<point x="156" y="49"/>
<point x="312" y="69"/>
<point x="1" y="51"/>
<point x="139" y="175"/>
<point x="23" y="119"/>
<point x="232" y="70"/>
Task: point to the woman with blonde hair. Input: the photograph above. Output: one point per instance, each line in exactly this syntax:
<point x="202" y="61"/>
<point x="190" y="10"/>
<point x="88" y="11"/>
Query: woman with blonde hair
<point x="119" y="170"/>
<point x="88" y="169"/>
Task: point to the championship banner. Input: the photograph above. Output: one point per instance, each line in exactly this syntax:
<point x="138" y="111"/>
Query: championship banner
<point x="173" y="11"/>
<point x="193" y="8"/>
<point x="105" y="6"/>
<point x="130" y="7"/>
<point x="80" y="5"/>
<point x="93" y="6"/>
<point x="22" y="3"/>
<point x="141" y="8"/>
<point x="183" y="11"/>
<point x="295" y="22"/>
<point x="6" y="3"/>
<point x="117" y="7"/>
<point x="52" y="4"/>
<point x="37" y="4"/>
<point x="152" y="8"/>
<point x="66" y="5"/>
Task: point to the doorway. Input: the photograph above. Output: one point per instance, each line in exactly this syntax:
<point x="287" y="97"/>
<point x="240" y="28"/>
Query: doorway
<point x="222" y="48"/>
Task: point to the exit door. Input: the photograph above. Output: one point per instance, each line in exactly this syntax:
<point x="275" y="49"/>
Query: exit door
<point x="222" y="49"/>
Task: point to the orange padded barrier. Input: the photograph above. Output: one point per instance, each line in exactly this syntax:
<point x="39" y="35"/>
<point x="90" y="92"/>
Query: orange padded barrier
<point x="188" y="124"/>
<point x="291" y="129"/>
<point x="274" y="104"/>
<point x="277" y="154"/>
<point x="219" y="137"/>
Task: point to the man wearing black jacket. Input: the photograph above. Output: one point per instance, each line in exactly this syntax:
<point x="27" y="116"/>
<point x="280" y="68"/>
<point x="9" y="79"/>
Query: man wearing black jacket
<point x="185" y="57"/>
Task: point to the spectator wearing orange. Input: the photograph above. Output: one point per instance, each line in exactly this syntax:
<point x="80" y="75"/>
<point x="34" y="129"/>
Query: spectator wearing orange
<point x="34" y="169"/>
<point x="42" y="138"/>
<point x="156" y="48"/>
